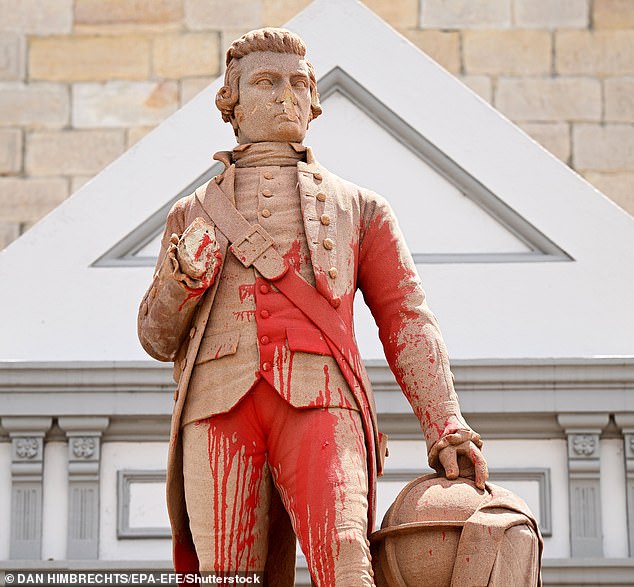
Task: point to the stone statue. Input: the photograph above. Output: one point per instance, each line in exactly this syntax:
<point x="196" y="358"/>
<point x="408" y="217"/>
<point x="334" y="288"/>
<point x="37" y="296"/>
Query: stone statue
<point x="274" y="431"/>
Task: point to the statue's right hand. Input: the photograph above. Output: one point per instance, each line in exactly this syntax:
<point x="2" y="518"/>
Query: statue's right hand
<point x="197" y="251"/>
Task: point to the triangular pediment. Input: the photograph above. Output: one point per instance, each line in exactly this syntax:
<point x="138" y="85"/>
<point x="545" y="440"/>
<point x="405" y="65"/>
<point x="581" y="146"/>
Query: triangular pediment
<point x="485" y="211"/>
<point x="471" y="224"/>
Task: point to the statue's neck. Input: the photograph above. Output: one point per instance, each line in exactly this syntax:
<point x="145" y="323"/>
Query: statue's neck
<point x="268" y="153"/>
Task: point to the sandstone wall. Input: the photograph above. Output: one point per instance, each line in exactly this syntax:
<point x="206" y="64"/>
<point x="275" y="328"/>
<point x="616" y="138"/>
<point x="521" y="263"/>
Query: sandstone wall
<point x="83" y="80"/>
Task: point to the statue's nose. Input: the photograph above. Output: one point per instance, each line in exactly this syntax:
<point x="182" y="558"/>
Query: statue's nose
<point x="287" y="99"/>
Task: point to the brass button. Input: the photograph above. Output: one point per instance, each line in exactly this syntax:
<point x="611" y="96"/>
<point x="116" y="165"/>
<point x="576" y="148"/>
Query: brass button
<point x="321" y="197"/>
<point x="317" y="176"/>
<point x="332" y="272"/>
<point x="268" y="175"/>
<point x="328" y="244"/>
<point x="325" y="219"/>
<point x="265" y="314"/>
<point x="267" y="193"/>
<point x="265" y="339"/>
<point x="266" y="366"/>
<point x="266" y="213"/>
<point x="192" y="332"/>
<point x="335" y="302"/>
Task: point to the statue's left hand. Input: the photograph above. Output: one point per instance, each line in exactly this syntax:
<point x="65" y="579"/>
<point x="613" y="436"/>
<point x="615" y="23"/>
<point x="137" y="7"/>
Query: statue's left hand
<point x="460" y="457"/>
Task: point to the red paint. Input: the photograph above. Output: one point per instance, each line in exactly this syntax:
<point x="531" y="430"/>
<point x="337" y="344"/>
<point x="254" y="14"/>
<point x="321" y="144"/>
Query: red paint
<point x="244" y="315"/>
<point x="430" y="552"/>
<point x="195" y="292"/>
<point x="204" y="241"/>
<point x="246" y="291"/>
<point x="233" y="468"/>
<point x="444" y="536"/>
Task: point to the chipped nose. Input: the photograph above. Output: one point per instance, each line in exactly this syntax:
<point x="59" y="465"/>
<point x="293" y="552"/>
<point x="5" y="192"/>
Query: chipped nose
<point x="288" y="101"/>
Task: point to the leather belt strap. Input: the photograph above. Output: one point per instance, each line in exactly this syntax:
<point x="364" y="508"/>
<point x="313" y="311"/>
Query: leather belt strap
<point x="252" y="245"/>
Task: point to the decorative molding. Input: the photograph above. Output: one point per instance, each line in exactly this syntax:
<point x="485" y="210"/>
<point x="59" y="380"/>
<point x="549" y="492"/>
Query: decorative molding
<point x="125" y="478"/>
<point x="84" y="437"/>
<point x="27" y="465"/>
<point x="625" y="422"/>
<point x="584" y="472"/>
<point x="541" y="248"/>
<point x="27" y="448"/>
<point x="126" y="252"/>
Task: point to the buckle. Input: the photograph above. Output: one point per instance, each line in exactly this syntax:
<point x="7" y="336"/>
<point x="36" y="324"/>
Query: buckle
<point x="251" y="245"/>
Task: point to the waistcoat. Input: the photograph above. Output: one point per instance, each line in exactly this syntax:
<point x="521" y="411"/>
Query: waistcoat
<point x="253" y="331"/>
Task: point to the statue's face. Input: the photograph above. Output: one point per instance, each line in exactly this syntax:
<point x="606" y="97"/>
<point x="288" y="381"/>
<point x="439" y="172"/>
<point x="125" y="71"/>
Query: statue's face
<point x="274" y="103"/>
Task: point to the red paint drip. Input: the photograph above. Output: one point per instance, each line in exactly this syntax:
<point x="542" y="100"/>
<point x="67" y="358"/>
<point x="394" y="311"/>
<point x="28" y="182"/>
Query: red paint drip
<point x="204" y="241"/>
<point x="233" y="469"/>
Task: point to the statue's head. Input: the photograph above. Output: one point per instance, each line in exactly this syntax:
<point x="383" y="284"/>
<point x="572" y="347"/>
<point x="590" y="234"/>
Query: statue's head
<point x="270" y="91"/>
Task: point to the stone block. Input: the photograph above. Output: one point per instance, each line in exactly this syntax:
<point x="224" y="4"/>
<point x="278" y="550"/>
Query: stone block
<point x="619" y="187"/>
<point x="279" y="12"/>
<point x="607" y="147"/>
<point x="36" y="105"/>
<point x="12" y="56"/>
<point x="89" y="58"/>
<point x="78" y="182"/>
<point x="597" y="53"/>
<point x="136" y="133"/>
<point x="36" y="17"/>
<point x="553" y="136"/>
<point x="192" y="87"/>
<point x="228" y="36"/>
<point x="465" y="14"/>
<point x="122" y="104"/>
<point x="399" y="13"/>
<point x="549" y="100"/>
<point x="442" y="46"/>
<point x="9" y="231"/>
<point x="480" y="84"/>
<point x="186" y="55"/>
<point x="26" y="200"/>
<point x="613" y="14"/>
<point x="507" y="52"/>
<point x="551" y="14"/>
<point x="72" y="152"/>
<point x="619" y="99"/>
<point x="10" y="151"/>
<point x="126" y="12"/>
<point x="217" y="14"/>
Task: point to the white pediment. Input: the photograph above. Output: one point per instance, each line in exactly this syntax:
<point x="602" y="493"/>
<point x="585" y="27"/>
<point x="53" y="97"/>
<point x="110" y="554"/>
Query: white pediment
<point x="519" y="256"/>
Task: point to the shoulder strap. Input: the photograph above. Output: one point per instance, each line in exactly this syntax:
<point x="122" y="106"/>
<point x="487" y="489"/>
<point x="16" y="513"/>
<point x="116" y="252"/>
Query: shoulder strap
<point x="252" y="245"/>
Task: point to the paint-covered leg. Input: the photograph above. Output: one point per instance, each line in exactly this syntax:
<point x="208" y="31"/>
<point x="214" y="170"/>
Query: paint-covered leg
<point x="227" y="490"/>
<point x="318" y="463"/>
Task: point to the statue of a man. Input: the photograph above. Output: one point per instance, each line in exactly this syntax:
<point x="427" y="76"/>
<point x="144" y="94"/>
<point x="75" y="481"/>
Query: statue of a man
<point x="274" y="428"/>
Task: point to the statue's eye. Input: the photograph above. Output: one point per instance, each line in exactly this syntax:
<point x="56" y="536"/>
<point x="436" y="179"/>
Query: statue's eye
<point x="300" y="83"/>
<point x="264" y="82"/>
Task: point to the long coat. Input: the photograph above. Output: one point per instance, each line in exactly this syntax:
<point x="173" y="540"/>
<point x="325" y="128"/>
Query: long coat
<point x="369" y="254"/>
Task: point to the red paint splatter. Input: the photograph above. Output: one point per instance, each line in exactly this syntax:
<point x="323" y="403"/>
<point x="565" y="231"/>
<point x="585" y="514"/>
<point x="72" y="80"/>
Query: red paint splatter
<point x="204" y="241"/>
<point x="246" y="291"/>
<point x="237" y="476"/>
<point x="444" y="536"/>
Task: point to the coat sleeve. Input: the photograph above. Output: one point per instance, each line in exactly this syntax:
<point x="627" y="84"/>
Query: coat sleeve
<point x="169" y="304"/>
<point x="408" y="330"/>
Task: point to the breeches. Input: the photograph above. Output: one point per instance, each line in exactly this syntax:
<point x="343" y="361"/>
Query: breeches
<point x="315" y="458"/>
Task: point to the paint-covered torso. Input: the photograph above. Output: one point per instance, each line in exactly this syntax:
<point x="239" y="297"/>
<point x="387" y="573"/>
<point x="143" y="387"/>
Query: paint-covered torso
<point x="253" y="331"/>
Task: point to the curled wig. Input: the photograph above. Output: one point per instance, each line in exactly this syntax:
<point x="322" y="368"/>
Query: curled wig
<point x="267" y="39"/>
